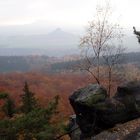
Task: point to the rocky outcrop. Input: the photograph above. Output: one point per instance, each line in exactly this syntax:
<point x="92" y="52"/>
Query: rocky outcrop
<point x="126" y="131"/>
<point x="96" y="112"/>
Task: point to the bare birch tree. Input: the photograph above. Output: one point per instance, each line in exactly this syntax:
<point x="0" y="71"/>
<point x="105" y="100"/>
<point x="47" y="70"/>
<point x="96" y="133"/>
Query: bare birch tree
<point x="101" y="32"/>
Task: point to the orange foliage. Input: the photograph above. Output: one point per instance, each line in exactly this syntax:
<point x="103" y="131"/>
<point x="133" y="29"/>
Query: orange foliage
<point x="46" y="87"/>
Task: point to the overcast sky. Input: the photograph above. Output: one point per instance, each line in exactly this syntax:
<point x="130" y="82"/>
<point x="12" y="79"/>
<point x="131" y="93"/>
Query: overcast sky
<point x="68" y="13"/>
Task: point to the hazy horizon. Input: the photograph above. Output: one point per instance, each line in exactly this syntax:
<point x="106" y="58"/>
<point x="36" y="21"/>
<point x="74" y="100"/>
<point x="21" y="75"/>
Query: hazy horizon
<point x="21" y="22"/>
<point x="57" y="42"/>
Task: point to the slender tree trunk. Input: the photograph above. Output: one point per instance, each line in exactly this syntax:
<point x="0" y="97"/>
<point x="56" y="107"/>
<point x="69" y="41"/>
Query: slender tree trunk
<point x="98" y="68"/>
<point x="109" y="80"/>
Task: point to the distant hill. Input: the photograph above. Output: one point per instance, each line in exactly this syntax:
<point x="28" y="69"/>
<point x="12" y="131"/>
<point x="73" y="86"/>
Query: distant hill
<point x="54" y="43"/>
<point x="60" y="38"/>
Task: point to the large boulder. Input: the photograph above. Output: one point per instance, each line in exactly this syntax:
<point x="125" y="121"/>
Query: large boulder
<point x="95" y="111"/>
<point x="83" y="102"/>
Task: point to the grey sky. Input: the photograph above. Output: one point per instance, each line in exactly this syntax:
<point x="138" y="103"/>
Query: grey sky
<point x="70" y="13"/>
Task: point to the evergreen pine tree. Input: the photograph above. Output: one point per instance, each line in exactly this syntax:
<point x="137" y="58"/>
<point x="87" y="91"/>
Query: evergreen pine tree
<point x="28" y="100"/>
<point x="9" y="107"/>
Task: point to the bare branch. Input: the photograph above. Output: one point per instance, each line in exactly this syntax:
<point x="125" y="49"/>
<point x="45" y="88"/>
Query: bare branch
<point x="100" y="34"/>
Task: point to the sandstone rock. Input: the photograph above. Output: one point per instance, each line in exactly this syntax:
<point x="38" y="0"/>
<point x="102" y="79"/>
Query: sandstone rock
<point x="83" y="102"/>
<point x="96" y="112"/>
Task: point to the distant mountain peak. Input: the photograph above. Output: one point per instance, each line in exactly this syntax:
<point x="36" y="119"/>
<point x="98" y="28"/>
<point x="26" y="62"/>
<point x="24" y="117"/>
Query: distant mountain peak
<point x="58" y="33"/>
<point x="58" y="30"/>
